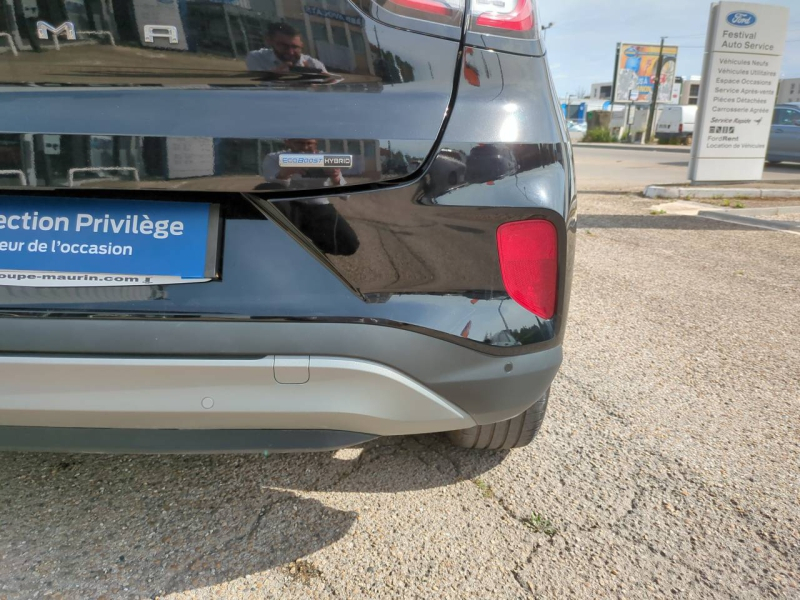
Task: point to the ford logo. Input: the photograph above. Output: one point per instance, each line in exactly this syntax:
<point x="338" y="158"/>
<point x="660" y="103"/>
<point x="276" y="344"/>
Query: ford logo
<point x="741" y="18"/>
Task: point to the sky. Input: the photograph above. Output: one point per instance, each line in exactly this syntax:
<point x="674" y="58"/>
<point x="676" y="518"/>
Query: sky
<point x="582" y="43"/>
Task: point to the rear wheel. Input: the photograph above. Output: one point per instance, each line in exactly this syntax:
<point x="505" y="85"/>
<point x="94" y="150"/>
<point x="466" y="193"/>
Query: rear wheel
<point x="513" y="433"/>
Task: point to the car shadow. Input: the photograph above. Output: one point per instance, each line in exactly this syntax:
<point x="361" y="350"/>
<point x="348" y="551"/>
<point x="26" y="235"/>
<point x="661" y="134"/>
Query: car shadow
<point x="127" y="525"/>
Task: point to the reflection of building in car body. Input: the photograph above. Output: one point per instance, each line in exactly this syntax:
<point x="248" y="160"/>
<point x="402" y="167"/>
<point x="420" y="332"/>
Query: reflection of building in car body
<point x="332" y="32"/>
<point x="334" y="36"/>
<point x="75" y="160"/>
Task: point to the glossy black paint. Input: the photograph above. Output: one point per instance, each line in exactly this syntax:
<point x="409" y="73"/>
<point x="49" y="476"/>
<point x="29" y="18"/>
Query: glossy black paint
<point x="453" y="290"/>
<point x="190" y="43"/>
<point x="419" y="255"/>
<point x="216" y="163"/>
<point x="196" y="115"/>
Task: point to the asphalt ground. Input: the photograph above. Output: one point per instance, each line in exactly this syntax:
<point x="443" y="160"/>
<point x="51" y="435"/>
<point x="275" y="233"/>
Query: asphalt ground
<point x="668" y="464"/>
<point x="603" y="169"/>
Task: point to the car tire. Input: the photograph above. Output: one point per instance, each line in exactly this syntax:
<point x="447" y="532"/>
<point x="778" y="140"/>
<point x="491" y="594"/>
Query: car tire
<point x="513" y="433"/>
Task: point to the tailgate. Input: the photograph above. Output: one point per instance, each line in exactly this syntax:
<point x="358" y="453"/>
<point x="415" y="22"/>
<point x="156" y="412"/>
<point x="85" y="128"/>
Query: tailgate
<point x="206" y="96"/>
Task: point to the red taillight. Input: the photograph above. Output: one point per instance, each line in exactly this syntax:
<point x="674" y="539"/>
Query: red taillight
<point x="528" y="253"/>
<point x="517" y="17"/>
<point x="417" y="14"/>
<point x="427" y="6"/>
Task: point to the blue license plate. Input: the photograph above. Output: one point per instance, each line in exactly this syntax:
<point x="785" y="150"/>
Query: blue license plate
<point x="66" y="242"/>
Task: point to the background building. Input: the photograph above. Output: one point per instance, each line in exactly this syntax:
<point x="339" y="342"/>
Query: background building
<point x="789" y="90"/>
<point x="601" y="91"/>
<point x="690" y="90"/>
<point x="332" y="31"/>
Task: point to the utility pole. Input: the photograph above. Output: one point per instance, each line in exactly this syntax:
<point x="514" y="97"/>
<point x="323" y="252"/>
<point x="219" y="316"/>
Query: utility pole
<point x="649" y="132"/>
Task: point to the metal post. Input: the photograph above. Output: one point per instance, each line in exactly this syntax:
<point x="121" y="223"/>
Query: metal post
<point x="626" y="126"/>
<point x="28" y="158"/>
<point x="652" y="114"/>
<point x="30" y="28"/>
<point x="11" y="21"/>
<point x="229" y="29"/>
<point x="38" y="145"/>
<point x="10" y="40"/>
<point x="244" y="34"/>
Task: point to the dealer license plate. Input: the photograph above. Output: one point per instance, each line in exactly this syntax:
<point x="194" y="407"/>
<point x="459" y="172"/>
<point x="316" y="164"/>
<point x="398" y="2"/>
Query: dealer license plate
<point x="68" y="242"/>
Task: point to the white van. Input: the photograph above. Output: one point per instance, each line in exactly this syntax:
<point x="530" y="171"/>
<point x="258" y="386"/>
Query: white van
<point x="676" y="122"/>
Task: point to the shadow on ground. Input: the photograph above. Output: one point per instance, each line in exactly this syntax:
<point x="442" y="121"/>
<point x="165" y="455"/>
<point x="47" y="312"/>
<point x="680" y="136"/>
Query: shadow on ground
<point x="152" y="525"/>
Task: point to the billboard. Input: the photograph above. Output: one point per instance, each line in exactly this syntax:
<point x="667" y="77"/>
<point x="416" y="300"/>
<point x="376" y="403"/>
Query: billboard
<point x="635" y="73"/>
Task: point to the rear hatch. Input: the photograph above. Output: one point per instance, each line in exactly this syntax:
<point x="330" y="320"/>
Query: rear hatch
<point x="210" y="96"/>
<point x="270" y="153"/>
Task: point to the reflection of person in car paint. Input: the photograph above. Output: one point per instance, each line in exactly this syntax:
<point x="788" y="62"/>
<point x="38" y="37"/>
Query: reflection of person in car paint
<point x="284" y="52"/>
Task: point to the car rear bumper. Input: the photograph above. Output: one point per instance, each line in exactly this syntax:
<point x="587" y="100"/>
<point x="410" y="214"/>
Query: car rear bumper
<point x="274" y="392"/>
<point x="263" y="379"/>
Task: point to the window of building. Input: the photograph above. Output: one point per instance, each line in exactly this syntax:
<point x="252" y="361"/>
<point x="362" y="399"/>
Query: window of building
<point x="358" y="43"/>
<point x="319" y="31"/>
<point x="268" y="8"/>
<point x="605" y="91"/>
<point x="339" y="35"/>
<point x="692" y="100"/>
<point x="238" y="157"/>
<point x="694" y="90"/>
<point x="11" y="157"/>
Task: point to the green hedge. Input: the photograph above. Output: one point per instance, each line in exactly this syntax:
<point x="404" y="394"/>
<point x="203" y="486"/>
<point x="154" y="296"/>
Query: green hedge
<point x="598" y="135"/>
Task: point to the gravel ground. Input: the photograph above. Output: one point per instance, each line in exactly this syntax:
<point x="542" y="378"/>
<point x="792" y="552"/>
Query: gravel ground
<point x="668" y="465"/>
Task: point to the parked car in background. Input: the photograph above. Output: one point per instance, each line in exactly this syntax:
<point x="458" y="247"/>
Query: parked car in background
<point x="784" y="136"/>
<point x="676" y="124"/>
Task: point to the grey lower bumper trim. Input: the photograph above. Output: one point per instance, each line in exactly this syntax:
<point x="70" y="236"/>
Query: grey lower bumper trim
<point x="283" y="392"/>
<point x="488" y="388"/>
<point x="180" y="441"/>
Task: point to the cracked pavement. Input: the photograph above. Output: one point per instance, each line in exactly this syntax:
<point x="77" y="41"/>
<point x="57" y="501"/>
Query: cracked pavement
<point x="668" y="464"/>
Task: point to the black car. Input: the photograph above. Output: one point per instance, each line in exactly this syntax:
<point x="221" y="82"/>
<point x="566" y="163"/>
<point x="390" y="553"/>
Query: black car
<point x="278" y="224"/>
